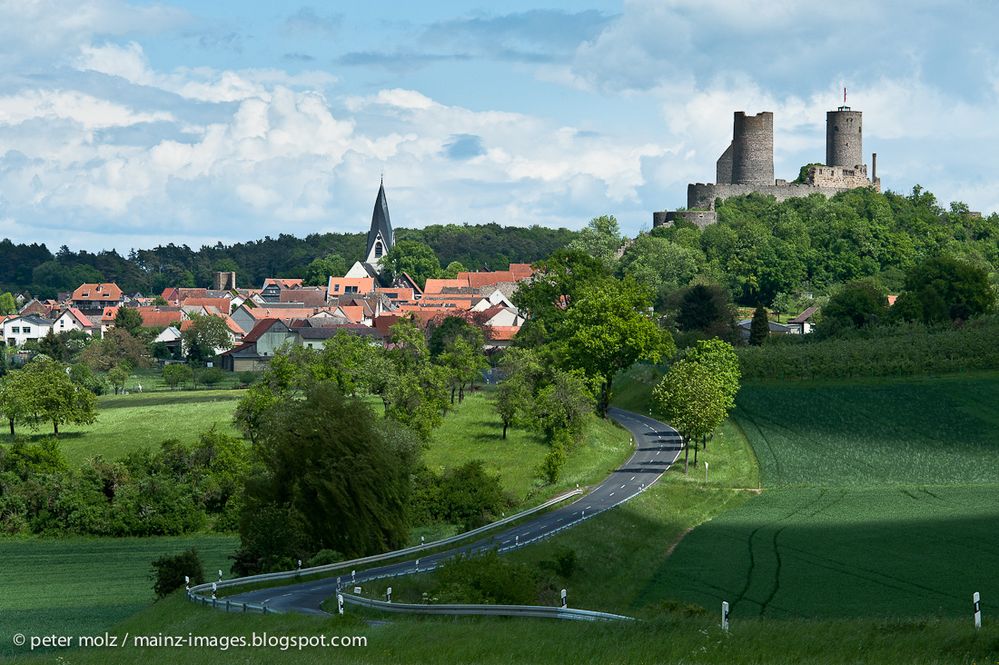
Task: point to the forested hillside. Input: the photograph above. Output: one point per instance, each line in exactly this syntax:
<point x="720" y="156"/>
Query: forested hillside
<point x="34" y="268"/>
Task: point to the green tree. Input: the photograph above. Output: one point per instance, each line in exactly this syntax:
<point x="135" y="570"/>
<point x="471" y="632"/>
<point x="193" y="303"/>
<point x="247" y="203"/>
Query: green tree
<point x="170" y="571"/>
<point x="413" y="258"/>
<point x="129" y="320"/>
<point x="562" y="406"/>
<point x="418" y="399"/>
<point x="452" y="270"/>
<point x="600" y="238"/>
<point x="117" y="347"/>
<point x="706" y="308"/>
<point x="693" y="400"/>
<point x="409" y="351"/>
<point x="52" y="397"/>
<point x="944" y="288"/>
<point x="321" y="269"/>
<point x="448" y="330"/>
<point x="328" y="467"/>
<point x="759" y="327"/>
<point x="175" y="374"/>
<point x="464" y="363"/>
<point x="720" y="358"/>
<point x="118" y="376"/>
<point x="15" y="404"/>
<point x="607" y="330"/>
<point x="7" y="304"/>
<point x="345" y="360"/>
<point x="662" y="265"/>
<point x="858" y="304"/>
<point x="206" y="337"/>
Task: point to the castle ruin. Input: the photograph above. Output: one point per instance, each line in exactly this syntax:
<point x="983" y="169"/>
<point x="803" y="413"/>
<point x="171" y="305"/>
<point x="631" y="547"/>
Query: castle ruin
<point x="747" y="166"/>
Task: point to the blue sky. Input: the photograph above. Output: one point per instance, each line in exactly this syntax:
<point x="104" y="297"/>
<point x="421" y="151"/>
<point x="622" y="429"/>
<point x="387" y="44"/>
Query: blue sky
<point x="128" y="124"/>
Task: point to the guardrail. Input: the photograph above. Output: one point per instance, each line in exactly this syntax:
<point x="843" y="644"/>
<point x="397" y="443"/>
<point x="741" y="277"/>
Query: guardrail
<point x="230" y="605"/>
<point x="539" y="611"/>
<point x="195" y="591"/>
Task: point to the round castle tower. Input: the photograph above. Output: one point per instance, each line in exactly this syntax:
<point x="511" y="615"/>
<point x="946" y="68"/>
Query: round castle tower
<point x="753" y="149"/>
<point x="844" y="144"/>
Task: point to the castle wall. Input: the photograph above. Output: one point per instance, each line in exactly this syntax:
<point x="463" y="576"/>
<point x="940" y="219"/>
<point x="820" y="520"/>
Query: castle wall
<point x="723" y="167"/>
<point x="841" y="177"/>
<point x="753" y="149"/>
<point x="699" y="218"/>
<point x="844" y="138"/>
<point x="701" y="196"/>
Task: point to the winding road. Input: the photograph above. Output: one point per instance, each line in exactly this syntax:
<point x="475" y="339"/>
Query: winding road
<point x="657" y="446"/>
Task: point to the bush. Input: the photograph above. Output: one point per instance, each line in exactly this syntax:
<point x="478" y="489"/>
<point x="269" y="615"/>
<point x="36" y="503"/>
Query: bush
<point x="551" y="466"/>
<point x="325" y="558"/>
<point x="176" y="374"/>
<point x="169" y="571"/>
<point x="248" y="378"/>
<point x="487" y="579"/>
<point x="464" y="495"/>
<point x="211" y="376"/>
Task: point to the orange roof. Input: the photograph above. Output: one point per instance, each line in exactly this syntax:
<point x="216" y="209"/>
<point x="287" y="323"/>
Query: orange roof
<point x="107" y="316"/>
<point x="353" y="312"/>
<point x="283" y="282"/>
<point x="82" y="318"/>
<point x="502" y="333"/>
<point x="396" y="295"/>
<point x="480" y="279"/>
<point x="222" y="304"/>
<point x="891" y="300"/>
<point x="153" y="317"/>
<point x="97" y="292"/>
<point x="338" y="285"/>
<point x="521" y="270"/>
<point x="438" y="285"/>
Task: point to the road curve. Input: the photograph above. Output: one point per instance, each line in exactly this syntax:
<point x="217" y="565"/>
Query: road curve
<point x="657" y="446"/>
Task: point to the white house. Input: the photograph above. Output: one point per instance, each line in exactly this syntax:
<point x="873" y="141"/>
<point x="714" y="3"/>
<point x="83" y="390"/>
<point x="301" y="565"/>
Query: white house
<point x="23" y="329"/>
<point x="73" y="319"/>
<point x="802" y="324"/>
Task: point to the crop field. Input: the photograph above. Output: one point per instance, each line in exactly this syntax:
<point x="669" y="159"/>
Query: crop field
<point x="144" y="421"/>
<point x="86" y="585"/>
<point x="883" y="501"/>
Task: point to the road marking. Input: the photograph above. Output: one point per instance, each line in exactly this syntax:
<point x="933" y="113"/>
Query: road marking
<point x="633" y="477"/>
<point x="611" y="494"/>
<point x="622" y="486"/>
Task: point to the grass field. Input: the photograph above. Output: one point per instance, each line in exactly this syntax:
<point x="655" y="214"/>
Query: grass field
<point x="137" y="421"/>
<point x="446" y="641"/>
<point x="85" y="585"/>
<point x="474" y="431"/>
<point x="883" y="501"/>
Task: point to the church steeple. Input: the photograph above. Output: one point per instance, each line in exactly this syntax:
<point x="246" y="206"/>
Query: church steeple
<point x="380" y="235"/>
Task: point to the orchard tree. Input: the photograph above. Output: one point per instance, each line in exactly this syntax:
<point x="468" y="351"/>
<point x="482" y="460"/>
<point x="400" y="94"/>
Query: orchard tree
<point x="522" y="372"/>
<point x="719" y="358"/>
<point x="464" y="362"/>
<point x="345" y="360"/>
<point x="15" y="406"/>
<point x="118" y="376"/>
<point x="51" y="396"/>
<point x="662" y="265"/>
<point x="117" y="347"/>
<point x="693" y="400"/>
<point x="562" y="406"/>
<point x="7" y="304"/>
<point x="451" y="328"/>
<point x="858" y="304"/>
<point x="175" y="374"/>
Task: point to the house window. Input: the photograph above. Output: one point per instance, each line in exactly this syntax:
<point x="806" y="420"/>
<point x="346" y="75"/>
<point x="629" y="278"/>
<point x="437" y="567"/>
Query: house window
<point x="336" y="288"/>
<point x="350" y="289"/>
<point x="15" y="330"/>
<point x="378" y="249"/>
<point x="27" y="330"/>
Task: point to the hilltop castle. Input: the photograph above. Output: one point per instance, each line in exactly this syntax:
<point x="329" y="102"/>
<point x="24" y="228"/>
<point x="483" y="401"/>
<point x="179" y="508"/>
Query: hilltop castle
<point x="747" y="166"/>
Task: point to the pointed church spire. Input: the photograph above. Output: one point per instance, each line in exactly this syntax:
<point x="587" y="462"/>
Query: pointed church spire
<point x="380" y="235"/>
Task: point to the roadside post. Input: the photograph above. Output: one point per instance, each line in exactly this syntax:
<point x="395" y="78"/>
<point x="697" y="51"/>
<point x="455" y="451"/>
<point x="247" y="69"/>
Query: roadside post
<point x="565" y="602"/>
<point x="388" y="594"/>
<point x="977" y="601"/>
<point x="220" y="574"/>
<point x="353" y="576"/>
<point x="339" y="603"/>
<point x="705" y="472"/>
<point x="725" y="615"/>
<point x="215" y="587"/>
<point x="187" y="582"/>
<point x="300" y="564"/>
<point x="417" y="565"/>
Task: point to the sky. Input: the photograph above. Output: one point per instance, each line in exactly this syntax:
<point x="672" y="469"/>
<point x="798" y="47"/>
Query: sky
<point x="131" y="124"/>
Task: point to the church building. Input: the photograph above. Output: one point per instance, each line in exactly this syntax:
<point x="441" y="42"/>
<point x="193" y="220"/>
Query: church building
<point x="381" y="238"/>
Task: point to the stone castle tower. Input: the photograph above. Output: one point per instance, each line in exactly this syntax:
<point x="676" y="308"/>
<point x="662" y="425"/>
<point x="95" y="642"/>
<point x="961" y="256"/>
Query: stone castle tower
<point x="844" y="137"/>
<point x="747" y="166"/>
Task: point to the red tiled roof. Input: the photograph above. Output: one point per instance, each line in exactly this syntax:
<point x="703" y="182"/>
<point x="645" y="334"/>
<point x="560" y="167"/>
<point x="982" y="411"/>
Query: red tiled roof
<point x="338" y="285"/>
<point x="501" y="333"/>
<point x="155" y="318"/>
<point x="521" y="270"/>
<point x="437" y="285"/>
<point x="478" y="280"/>
<point x="97" y="292"/>
<point x="107" y="316"/>
<point x="82" y="318"/>
<point x="353" y="312"/>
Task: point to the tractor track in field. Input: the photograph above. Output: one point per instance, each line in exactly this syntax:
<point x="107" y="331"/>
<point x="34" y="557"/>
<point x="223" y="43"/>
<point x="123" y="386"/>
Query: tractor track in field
<point x="752" y="556"/>
<point x="777" y="555"/>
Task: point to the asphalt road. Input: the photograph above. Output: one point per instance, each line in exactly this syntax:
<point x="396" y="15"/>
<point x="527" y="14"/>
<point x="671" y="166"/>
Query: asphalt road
<point x="657" y="447"/>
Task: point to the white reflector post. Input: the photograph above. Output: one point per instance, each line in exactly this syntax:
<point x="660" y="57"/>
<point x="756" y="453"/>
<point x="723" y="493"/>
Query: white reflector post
<point x="339" y="603"/>
<point x="565" y="603"/>
<point x="388" y="594"/>
<point x="977" y="600"/>
<point x="725" y="615"/>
